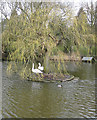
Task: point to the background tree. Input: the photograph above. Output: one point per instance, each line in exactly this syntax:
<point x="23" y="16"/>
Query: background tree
<point x="91" y="15"/>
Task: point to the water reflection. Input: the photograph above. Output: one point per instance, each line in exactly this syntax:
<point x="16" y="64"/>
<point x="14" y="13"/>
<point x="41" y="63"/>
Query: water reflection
<point x="76" y="99"/>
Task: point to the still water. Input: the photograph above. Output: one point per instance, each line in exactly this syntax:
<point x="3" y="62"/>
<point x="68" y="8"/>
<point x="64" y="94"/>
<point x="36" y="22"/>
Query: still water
<point x="27" y="99"/>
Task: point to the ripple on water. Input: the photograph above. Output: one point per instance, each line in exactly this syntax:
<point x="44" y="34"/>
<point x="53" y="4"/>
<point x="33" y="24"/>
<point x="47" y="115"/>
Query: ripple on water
<point x="9" y="114"/>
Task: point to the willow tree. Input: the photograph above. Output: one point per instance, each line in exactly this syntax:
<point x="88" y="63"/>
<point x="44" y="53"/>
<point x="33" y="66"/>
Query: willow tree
<point x="28" y="37"/>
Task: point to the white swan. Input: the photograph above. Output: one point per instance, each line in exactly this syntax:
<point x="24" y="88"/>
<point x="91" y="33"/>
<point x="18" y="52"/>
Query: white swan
<point x="36" y="70"/>
<point x="40" y="67"/>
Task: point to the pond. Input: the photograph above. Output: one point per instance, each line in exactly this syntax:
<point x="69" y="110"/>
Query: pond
<point x="27" y="99"/>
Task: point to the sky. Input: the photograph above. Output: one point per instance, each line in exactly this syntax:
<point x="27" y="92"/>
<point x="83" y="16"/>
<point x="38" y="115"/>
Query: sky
<point x="76" y="3"/>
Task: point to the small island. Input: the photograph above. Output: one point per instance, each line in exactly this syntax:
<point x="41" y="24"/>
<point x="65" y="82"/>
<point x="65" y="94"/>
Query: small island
<point x="50" y="77"/>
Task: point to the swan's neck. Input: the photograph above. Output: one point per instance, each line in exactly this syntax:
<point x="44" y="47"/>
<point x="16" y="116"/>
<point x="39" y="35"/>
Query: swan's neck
<point x="39" y="65"/>
<point x="33" y="66"/>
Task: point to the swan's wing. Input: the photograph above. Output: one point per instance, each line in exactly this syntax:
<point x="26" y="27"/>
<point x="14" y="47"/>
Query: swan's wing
<point x="40" y="68"/>
<point x="38" y="71"/>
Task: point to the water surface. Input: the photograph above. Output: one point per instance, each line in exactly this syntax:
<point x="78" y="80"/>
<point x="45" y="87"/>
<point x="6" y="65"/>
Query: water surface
<point x="27" y="99"/>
